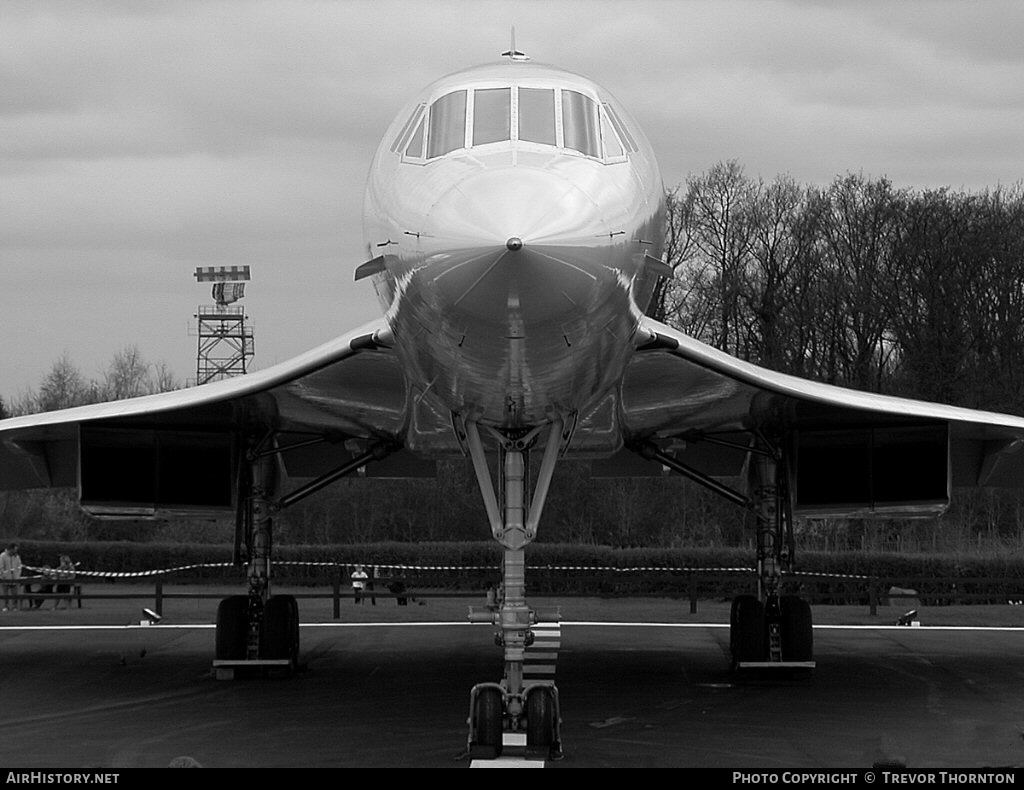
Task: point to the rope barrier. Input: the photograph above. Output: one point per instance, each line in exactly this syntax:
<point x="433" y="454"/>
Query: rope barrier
<point x="432" y="568"/>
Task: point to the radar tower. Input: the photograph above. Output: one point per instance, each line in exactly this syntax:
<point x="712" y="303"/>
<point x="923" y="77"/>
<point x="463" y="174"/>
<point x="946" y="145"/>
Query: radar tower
<point x="225" y="341"/>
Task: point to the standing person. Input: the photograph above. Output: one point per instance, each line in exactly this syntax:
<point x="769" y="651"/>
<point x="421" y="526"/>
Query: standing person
<point x="65" y="572"/>
<point x="359" y="577"/>
<point x="10" y="572"/>
<point x="397" y="586"/>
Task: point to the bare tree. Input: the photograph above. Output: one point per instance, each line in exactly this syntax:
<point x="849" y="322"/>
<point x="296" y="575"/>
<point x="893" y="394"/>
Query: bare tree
<point x="709" y="246"/>
<point x="163" y="379"/>
<point x="781" y="289"/>
<point x="678" y="250"/>
<point x="127" y="375"/>
<point x="64" y="387"/>
<point x="931" y="295"/>
<point x="859" y="230"/>
<point x="999" y="298"/>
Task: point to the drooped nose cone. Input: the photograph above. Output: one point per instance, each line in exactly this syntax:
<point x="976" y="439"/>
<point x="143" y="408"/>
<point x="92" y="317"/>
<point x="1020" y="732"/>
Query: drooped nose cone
<point x="525" y="243"/>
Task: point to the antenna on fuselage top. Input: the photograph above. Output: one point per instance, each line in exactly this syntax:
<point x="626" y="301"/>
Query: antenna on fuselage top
<point x="513" y="53"/>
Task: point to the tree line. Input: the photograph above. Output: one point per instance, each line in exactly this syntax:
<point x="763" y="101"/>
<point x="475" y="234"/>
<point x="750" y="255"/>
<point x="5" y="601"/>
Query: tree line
<point x="127" y="375"/>
<point x="901" y="291"/>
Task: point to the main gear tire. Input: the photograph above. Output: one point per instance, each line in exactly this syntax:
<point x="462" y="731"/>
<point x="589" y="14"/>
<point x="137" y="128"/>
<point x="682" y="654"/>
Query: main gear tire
<point x="232" y="628"/>
<point x="279" y="634"/>
<point x="797" y="629"/>
<point x="747" y="639"/>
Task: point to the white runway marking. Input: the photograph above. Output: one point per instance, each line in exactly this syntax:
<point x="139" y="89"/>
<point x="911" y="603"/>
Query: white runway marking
<point x="507" y="762"/>
<point x="128" y="626"/>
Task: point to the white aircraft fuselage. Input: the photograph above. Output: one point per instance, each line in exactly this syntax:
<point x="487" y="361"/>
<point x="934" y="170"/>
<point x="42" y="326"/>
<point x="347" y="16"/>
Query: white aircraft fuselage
<point x="512" y="208"/>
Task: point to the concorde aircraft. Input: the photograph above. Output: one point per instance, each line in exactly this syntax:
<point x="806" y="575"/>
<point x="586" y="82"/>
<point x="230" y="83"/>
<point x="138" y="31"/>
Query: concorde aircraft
<point x="513" y="225"/>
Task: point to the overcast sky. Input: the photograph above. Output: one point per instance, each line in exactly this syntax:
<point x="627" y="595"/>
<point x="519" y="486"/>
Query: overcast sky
<point x="139" y="140"/>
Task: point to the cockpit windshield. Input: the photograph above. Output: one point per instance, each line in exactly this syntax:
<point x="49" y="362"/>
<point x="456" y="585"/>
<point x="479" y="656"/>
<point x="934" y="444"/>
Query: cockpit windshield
<point x="492" y="115"/>
<point x="545" y="116"/>
<point x="580" y="125"/>
<point x="447" y="124"/>
<point x="537" y="115"/>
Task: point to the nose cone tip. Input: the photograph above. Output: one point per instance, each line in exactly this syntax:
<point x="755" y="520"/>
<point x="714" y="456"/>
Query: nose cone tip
<point x="514" y="243"/>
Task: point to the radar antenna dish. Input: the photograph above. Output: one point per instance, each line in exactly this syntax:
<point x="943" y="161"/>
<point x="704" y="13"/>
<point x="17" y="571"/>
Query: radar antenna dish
<point x="513" y="53"/>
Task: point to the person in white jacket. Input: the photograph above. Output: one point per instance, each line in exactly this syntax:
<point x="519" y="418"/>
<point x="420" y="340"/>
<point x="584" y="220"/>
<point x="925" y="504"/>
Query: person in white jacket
<point x="359" y="577"/>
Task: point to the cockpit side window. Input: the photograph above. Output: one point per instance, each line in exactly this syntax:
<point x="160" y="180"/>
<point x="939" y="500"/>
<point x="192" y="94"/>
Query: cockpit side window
<point x="492" y="115"/>
<point x="580" y="123"/>
<point x="537" y="115"/>
<point x="447" y="124"/>
<point x="414" y="150"/>
<point x="402" y="140"/>
<point x="613" y="150"/>
<point x="621" y="128"/>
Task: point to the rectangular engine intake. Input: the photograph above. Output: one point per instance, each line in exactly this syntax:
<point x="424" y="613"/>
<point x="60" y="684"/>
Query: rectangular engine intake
<point x="883" y="471"/>
<point x="136" y="472"/>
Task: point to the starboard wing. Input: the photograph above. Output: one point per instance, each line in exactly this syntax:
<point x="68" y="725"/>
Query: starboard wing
<point x="851" y="452"/>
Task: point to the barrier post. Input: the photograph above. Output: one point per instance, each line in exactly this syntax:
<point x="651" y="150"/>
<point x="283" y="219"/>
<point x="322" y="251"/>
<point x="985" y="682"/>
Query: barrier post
<point x="336" y="593"/>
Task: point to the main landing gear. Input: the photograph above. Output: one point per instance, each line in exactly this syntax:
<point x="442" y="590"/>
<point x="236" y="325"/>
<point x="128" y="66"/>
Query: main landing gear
<point x="771" y="630"/>
<point x="512" y="705"/>
<point x="259" y="632"/>
<point x="768" y="630"/>
<point x="775" y="635"/>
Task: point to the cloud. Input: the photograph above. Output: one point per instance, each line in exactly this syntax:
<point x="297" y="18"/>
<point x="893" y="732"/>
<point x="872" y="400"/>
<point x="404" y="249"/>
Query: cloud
<point x="138" y="140"/>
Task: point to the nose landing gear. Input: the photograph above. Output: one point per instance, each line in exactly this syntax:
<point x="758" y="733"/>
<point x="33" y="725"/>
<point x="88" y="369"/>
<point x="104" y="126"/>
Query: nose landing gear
<point x="493" y="712"/>
<point x="514" y="707"/>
